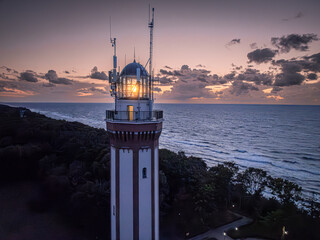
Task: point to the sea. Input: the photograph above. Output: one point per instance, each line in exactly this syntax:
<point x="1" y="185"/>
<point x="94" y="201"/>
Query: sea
<point x="283" y="140"/>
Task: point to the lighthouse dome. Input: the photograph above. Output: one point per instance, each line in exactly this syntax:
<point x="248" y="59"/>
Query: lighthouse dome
<point x="131" y="69"/>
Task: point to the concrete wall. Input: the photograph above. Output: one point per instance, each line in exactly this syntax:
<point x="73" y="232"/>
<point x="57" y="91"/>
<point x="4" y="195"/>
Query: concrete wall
<point x="145" y="206"/>
<point x="113" y="193"/>
<point x="126" y="194"/>
<point x="156" y="192"/>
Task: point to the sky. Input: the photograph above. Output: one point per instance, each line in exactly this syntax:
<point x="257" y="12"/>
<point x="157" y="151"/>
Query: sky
<point x="205" y="51"/>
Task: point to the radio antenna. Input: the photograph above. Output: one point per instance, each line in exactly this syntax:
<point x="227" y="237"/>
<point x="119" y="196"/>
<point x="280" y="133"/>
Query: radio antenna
<point x="151" y="25"/>
<point x="113" y="78"/>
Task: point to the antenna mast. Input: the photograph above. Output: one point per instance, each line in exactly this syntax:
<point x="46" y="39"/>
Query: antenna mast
<point x="151" y="24"/>
<point x="113" y="75"/>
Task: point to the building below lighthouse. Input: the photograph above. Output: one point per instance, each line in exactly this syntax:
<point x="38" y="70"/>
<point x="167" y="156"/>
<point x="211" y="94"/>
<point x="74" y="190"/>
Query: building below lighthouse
<point x="134" y="129"/>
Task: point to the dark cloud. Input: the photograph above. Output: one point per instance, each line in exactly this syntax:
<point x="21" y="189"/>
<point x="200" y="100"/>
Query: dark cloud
<point x="312" y="76"/>
<point x="185" y="67"/>
<point x="276" y="89"/>
<point x="200" y="66"/>
<point x="170" y="73"/>
<point x="53" y="78"/>
<point x="290" y="74"/>
<point x="165" y="72"/>
<point x="233" y="42"/>
<point x="28" y="76"/>
<point x="288" y="79"/>
<point x="167" y="67"/>
<point x="235" y="67"/>
<point x="229" y="76"/>
<point x="92" y="90"/>
<point x="241" y="88"/>
<point x="157" y="89"/>
<point x="189" y="83"/>
<point x="294" y="41"/>
<point x="261" y="55"/>
<point x="48" y="85"/>
<point x="254" y="75"/>
<point x="291" y="69"/>
<point x="164" y="81"/>
<point x="95" y="74"/>
<point x="253" y="45"/>
<point x="312" y="63"/>
<point x="67" y="72"/>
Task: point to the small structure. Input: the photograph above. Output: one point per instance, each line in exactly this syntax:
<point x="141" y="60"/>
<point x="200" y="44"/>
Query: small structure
<point x="134" y="129"/>
<point x="22" y="113"/>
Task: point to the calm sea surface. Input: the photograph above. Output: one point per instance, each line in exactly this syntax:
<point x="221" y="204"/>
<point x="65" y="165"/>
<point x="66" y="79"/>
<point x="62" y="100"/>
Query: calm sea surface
<point x="283" y="140"/>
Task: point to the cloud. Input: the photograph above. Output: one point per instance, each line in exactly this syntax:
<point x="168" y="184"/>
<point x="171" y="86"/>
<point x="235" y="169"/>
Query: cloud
<point x="277" y="98"/>
<point x="185" y="67"/>
<point x="170" y="73"/>
<point x="28" y="76"/>
<point x="48" y="85"/>
<point x="288" y="79"/>
<point x="291" y="69"/>
<point x="95" y="74"/>
<point x="254" y="75"/>
<point x="297" y="16"/>
<point x="235" y="67"/>
<point x="241" y="88"/>
<point x="189" y="83"/>
<point x="90" y="91"/>
<point x="276" y="89"/>
<point x="312" y="76"/>
<point x="53" y="78"/>
<point x="4" y="89"/>
<point x="229" y="76"/>
<point x="294" y="41"/>
<point x="290" y="75"/>
<point x="253" y="45"/>
<point x="167" y="67"/>
<point x="67" y="72"/>
<point x="233" y="42"/>
<point x="12" y="91"/>
<point x="165" y="81"/>
<point x="200" y="66"/>
<point x="157" y="89"/>
<point x="261" y="55"/>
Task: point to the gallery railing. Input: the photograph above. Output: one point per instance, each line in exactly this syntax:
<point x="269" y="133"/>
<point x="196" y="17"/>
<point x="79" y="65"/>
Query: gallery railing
<point x="112" y="115"/>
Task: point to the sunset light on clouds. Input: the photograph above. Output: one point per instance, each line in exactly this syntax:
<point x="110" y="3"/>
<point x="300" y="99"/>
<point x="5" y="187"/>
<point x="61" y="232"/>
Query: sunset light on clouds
<point x="259" y="52"/>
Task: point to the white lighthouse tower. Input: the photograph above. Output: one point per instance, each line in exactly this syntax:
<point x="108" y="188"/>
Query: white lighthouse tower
<point x="134" y="129"/>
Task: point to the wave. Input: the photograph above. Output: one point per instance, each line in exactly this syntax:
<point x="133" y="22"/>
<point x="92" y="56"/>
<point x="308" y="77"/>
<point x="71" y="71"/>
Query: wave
<point x="310" y="158"/>
<point x="240" y="151"/>
<point x="279" y="166"/>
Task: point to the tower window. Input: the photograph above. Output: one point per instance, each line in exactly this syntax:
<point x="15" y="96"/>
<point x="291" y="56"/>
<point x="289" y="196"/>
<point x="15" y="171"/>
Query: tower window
<point x="144" y="173"/>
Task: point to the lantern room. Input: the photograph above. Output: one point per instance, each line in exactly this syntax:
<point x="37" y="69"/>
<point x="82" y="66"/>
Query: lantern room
<point x="133" y="82"/>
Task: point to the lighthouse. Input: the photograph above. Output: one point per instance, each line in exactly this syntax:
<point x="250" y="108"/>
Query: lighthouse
<point x="134" y="129"/>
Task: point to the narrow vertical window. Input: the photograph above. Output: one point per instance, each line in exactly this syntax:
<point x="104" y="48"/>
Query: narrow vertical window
<point x="144" y="173"/>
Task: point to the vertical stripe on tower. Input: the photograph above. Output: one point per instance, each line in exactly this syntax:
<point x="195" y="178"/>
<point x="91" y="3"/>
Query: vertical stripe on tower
<point x="152" y="192"/>
<point x="136" y="194"/>
<point x="117" y="195"/>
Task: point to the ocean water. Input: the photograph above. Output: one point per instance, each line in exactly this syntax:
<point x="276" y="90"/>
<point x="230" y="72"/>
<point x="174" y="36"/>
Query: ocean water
<point x="283" y="140"/>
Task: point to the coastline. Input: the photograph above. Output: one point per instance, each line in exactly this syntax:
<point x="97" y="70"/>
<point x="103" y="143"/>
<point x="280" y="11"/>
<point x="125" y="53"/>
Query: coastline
<point x="70" y="161"/>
